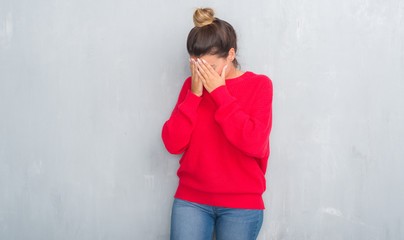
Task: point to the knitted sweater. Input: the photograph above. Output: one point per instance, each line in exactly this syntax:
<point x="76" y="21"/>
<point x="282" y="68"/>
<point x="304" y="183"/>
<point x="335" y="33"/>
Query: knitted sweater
<point x="224" y="138"/>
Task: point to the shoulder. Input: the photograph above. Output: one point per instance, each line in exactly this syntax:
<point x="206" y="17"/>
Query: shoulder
<point x="259" y="80"/>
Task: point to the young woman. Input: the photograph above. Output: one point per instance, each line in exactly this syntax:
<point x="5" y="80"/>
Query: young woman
<point x="221" y="123"/>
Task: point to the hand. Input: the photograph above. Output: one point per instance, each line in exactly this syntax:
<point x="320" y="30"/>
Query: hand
<point x="210" y="78"/>
<point x="196" y="84"/>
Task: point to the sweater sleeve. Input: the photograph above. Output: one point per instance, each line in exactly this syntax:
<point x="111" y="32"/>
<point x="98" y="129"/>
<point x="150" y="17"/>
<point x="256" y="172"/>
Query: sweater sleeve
<point x="249" y="132"/>
<point x="176" y="132"/>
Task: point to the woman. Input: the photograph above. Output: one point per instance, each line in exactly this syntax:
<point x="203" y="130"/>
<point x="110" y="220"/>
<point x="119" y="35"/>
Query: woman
<point x="221" y="123"/>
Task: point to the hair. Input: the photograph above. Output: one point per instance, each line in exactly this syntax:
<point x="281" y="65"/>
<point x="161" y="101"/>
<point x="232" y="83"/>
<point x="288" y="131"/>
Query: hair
<point x="211" y="35"/>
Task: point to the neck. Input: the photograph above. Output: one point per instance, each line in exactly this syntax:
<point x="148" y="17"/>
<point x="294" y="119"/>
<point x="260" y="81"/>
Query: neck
<point x="233" y="73"/>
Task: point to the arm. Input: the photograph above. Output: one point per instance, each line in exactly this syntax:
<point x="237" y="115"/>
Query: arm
<point x="249" y="132"/>
<point x="177" y="129"/>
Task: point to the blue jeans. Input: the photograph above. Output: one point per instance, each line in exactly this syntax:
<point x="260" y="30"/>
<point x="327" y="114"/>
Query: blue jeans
<point x="198" y="222"/>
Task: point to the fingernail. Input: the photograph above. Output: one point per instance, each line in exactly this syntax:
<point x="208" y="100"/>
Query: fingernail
<point x="199" y="60"/>
<point x="204" y="60"/>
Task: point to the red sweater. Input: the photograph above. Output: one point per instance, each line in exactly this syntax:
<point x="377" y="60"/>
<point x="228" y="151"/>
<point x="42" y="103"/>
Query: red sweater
<point x="224" y="138"/>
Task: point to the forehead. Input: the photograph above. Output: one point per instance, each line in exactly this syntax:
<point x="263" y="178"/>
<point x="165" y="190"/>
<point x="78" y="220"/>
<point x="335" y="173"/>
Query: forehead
<point x="211" y="59"/>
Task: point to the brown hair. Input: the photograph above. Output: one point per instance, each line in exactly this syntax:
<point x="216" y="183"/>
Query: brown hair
<point x="211" y="35"/>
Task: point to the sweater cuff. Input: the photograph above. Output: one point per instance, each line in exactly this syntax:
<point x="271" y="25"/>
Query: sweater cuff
<point x="190" y="103"/>
<point x="222" y="96"/>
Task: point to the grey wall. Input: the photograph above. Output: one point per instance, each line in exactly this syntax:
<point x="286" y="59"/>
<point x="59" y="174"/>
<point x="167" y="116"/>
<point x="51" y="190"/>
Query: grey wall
<point x="85" y="87"/>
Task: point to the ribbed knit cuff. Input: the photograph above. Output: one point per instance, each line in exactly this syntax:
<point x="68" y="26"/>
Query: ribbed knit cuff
<point x="190" y="103"/>
<point x="222" y="96"/>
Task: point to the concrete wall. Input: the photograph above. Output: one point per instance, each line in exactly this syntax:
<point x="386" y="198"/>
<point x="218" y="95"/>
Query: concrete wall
<point x="85" y="87"/>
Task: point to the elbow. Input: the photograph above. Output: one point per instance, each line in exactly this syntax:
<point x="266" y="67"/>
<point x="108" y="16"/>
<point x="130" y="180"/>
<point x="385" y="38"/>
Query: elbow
<point x="171" y="142"/>
<point x="257" y="153"/>
<point x="258" y="150"/>
<point x="172" y="147"/>
<point x="174" y="150"/>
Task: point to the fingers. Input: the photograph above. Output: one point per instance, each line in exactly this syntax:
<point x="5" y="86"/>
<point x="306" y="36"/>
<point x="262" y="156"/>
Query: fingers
<point x="196" y="71"/>
<point x="210" y="68"/>
<point x="223" y="75"/>
<point x="201" y="77"/>
<point x="203" y="69"/>
<point x="193" y="69"/>
<point x="191" y="64"/>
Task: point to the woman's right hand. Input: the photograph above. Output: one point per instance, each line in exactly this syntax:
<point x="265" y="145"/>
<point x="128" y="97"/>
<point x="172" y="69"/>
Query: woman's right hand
<point x="196" y="85"/>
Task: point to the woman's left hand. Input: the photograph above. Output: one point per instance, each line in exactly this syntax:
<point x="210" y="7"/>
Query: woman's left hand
<point x="210" y="78"/>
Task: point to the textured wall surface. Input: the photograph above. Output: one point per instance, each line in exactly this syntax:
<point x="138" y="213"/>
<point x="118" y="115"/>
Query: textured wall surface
<point x="85" y="87"/>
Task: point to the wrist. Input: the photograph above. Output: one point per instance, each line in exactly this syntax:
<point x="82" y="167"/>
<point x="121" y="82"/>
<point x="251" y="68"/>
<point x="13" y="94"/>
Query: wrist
<point x="198" y="94"/>
<point x="213" y="89"/>
<point x="222" y="96"/>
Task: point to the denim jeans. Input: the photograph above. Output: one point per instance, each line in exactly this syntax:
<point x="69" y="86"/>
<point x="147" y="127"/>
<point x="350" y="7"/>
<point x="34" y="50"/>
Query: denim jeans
<point x="194" y="221"/>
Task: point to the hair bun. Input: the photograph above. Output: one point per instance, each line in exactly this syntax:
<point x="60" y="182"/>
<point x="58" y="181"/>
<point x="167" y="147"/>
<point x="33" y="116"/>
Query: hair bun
<point x="203" y="17"/>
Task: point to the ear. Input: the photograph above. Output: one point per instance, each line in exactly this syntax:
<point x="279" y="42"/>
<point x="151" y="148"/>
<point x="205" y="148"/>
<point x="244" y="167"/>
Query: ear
<point x="231" y="55"/>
